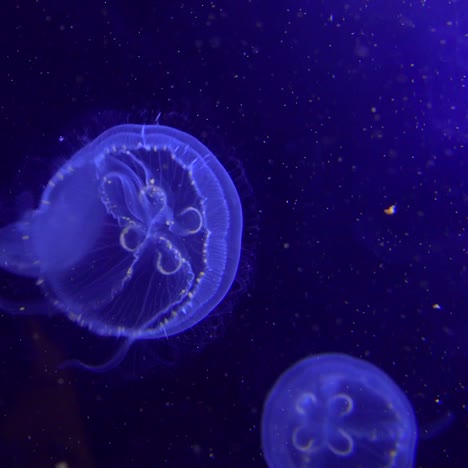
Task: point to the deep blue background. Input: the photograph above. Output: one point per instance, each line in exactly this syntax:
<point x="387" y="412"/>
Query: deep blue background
<point x="335" y="110"/>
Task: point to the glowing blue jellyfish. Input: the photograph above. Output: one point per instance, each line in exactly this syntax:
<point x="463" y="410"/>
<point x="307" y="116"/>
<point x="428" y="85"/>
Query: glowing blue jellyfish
<point x="336" y="410"/>
<point x="137" y="236"/>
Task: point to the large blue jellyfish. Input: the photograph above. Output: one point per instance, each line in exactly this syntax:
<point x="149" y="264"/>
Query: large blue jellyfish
<point x="137" y="236"/>
<point x="336" y="410"/>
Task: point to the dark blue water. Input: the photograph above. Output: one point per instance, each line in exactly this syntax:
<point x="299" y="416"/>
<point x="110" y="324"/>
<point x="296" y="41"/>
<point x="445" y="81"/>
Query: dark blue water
<point x="344" y="127"/>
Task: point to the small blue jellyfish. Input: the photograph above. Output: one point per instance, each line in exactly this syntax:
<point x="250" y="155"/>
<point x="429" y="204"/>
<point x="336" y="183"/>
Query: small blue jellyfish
<point x="336" y="410"/>
<point x="137" y="236"/>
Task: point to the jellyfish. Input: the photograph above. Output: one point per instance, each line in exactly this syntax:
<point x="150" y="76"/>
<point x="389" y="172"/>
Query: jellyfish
<point x="336" y="410"/>
<point x="137" y="235"/>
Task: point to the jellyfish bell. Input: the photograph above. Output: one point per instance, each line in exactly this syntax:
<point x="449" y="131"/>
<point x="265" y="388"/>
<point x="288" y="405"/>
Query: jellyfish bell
<point x="337" y="410"/>
<point x="137" y="236"/>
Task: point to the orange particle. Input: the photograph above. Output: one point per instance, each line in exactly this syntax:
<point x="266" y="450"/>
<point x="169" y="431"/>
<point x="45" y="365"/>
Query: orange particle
<point x="391" y="210"/>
